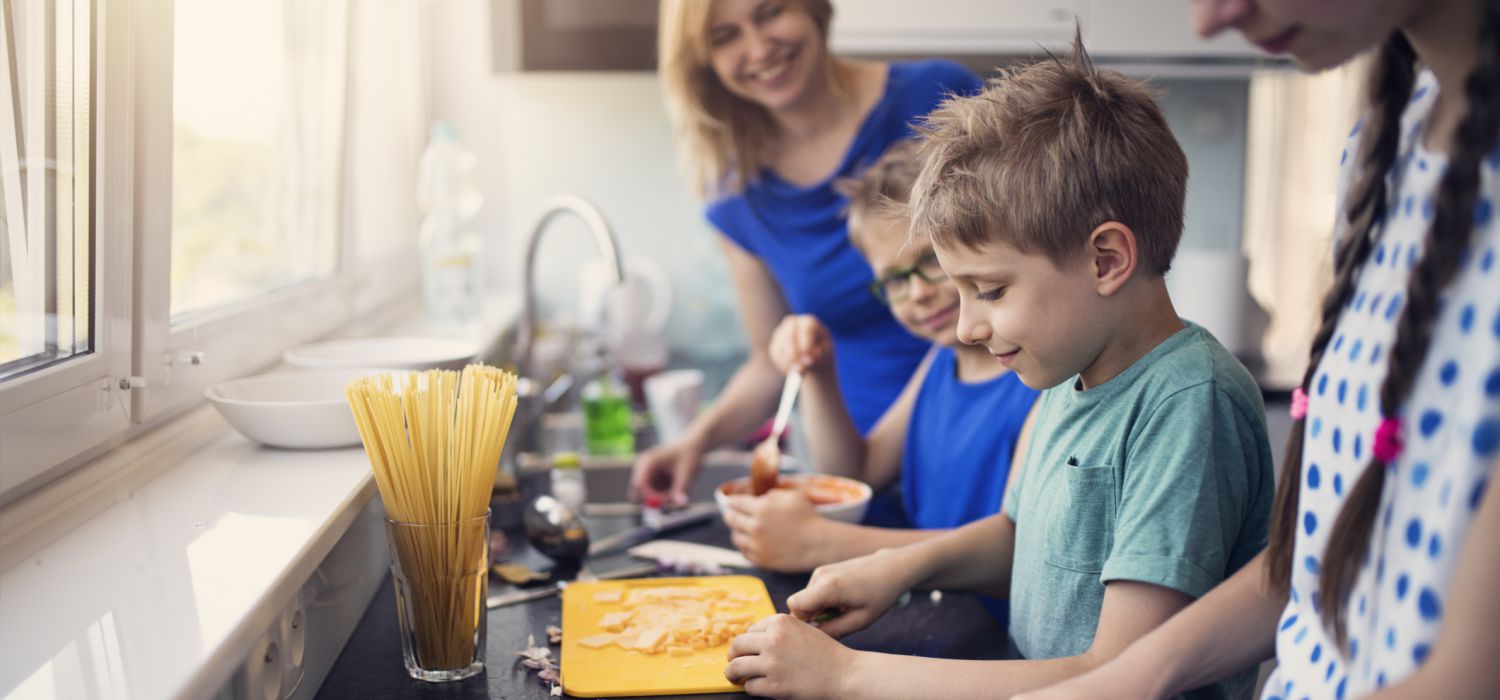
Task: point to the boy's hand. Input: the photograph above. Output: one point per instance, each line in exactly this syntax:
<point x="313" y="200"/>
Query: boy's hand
<point x="860" y="590"/>
<point x="780" y="531"/>
<point x="801" y="343"/>
<point x="784" y="657"/>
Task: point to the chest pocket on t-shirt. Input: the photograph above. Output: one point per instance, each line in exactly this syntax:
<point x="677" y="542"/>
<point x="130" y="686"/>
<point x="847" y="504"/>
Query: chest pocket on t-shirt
<point x="1080" y="521"/>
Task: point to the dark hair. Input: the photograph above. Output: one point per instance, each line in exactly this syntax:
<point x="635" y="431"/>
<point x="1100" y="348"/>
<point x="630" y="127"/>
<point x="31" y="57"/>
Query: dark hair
<point x="1443" y="251"/>
<point x="1046" y="153"/>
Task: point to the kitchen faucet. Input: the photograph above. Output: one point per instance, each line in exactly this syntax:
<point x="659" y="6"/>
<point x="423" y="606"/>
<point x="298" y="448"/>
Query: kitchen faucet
<point x="533" y="404"/>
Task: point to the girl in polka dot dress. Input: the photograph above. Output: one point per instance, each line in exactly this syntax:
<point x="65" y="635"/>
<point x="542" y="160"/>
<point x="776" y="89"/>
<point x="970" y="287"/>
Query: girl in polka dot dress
<point x="1381" y="573"/>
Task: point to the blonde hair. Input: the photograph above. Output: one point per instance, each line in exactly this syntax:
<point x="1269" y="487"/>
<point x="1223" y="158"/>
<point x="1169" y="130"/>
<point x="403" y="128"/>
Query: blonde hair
<point x="1046" y="153"/>
<point x="720" y="136"/>
<point x="882" y="190"/>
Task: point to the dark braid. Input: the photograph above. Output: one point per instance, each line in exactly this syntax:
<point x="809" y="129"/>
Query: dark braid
<point x="1390" y="86"/>
<point x="1442" y="255"/>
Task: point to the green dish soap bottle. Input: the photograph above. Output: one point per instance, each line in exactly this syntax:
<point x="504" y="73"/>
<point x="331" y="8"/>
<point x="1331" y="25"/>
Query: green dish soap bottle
<point x="606" y="413"/>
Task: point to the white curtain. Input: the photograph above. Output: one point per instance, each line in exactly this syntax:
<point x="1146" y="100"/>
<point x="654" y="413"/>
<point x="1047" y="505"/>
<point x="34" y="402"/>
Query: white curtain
<point x="1299" y="125"/>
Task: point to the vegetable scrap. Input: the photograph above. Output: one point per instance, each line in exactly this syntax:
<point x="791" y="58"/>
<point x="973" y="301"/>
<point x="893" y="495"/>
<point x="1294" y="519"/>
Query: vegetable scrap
<point x="539" y="659"/>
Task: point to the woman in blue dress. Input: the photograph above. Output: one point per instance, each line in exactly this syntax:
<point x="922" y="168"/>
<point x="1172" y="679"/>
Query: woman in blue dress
<point x="766" y="120"/>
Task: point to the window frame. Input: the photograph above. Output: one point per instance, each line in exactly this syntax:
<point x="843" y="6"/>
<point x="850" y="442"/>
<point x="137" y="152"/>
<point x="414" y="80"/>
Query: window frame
<point x="179" y="361"/>
<point x="60" y="411"/>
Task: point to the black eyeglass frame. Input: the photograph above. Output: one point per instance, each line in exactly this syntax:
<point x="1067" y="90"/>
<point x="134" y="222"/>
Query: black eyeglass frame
<point x="877" y="286"/>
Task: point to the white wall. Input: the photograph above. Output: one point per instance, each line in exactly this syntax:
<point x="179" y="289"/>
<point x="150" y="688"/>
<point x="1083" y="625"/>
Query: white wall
<point x="604" y="136"/>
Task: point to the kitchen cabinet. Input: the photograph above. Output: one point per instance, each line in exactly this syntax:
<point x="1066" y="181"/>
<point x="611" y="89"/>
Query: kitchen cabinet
<point x="1128" y="30"/>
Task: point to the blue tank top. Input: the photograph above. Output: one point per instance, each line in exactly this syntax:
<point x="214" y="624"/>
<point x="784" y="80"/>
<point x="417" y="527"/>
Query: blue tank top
<point x="958" y="450"/>
<point x="801" y="235"/>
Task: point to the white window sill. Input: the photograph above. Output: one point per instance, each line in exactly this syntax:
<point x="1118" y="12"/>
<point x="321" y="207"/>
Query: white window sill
<point x="163" y="592"/>
<point x="159" y="567"/>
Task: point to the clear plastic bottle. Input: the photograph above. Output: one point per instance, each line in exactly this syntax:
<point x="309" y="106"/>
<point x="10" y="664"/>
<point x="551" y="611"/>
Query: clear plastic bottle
<point x="568" y="483"/>
<point x="448" y="197"/>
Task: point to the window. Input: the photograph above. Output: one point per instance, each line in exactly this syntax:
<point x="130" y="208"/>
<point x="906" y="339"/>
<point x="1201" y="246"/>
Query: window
<point x="46" y="256"/>
<point x="258" y="90"/>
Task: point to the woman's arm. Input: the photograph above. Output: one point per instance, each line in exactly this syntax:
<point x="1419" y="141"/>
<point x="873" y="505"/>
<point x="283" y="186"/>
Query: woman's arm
<point x="1230" y="629"/>
<point x="746" y="401"/>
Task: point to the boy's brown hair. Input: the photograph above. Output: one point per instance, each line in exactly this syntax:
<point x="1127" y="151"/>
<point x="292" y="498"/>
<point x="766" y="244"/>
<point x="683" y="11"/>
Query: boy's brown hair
<point x="883" y="189"/>
<point x="1046" y="153"/>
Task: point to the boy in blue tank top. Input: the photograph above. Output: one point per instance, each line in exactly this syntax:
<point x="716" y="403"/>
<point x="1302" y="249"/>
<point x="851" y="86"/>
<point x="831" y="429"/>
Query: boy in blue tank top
<point x="950" y="436"/>
<point x="1054" y="201"/>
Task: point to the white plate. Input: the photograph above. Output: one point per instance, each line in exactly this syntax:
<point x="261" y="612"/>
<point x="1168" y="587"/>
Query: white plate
<point x="388" y="353"/>
<point x="296" y="410"/>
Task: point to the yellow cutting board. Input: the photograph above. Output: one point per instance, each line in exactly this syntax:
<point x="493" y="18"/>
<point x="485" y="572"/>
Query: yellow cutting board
<point x="614" y="672"/>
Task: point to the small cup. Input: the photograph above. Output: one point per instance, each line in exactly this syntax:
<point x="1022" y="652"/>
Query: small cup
<point x="440" y="572"/>
<point x="673" y="398"/>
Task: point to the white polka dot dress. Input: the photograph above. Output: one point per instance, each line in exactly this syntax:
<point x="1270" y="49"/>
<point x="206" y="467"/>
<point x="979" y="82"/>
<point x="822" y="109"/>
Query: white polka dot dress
<point x="1451" y="431"/>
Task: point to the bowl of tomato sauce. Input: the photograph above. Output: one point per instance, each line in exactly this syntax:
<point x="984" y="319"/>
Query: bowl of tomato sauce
<point x="836" y="497"/>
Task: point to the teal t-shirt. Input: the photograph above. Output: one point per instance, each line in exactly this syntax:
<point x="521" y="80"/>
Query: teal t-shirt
<point x="1162" y="474"/>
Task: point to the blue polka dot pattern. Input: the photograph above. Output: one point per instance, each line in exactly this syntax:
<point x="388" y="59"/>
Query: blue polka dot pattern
<point x="1403" y="583"/>
<point x="1290" y="620"/>
<point x="1393" y="307"/>
<point x="1482" y="211"/>
<point x="1487" y="438"/>
<point x="1434" y="546"/>
<point x="1363" y="397"/>
<point x="1338" y="440"/>
<point x="1359" y="447"/>
<point x="1448" y="373"/>
<point x="1491" y="385"/>
<point x="1314" y="477"/>
<point x="1311" y="562"/>
<point x="1310" y="522"/>
<point x="1432" y="419"/>
<point x="1338" y="484"/>
<point x="1317" y="653"/>
<point x="1323" y="380"/>
<point x="1380" y="255"/>
<point x="1419" y="474"/>
<point x="1487" y="262"/>
<point x="1466" y="318"/>
<point x="1317" y="423"/>
<point x="1355" y="349"/>
<point x="1476" y="495"/>
<point x="1413" y="532"/>
<point x="1419" y="653"/>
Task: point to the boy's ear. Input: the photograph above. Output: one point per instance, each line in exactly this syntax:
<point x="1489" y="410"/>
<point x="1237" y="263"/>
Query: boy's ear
<point x="1112" y="256"/>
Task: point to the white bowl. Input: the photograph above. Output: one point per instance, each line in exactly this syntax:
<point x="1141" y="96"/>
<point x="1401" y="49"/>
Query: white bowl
<point x="389" y="353"/>
<point x="297" y="410"/>
<point x="850" y="509"/>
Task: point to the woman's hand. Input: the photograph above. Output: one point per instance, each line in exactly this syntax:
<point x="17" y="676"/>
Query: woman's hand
<point x="667" y="471"/>
<point x="784" y="657"/>
<point x="780" y="531"/>
<point x="858" y="590"/>
<point x="801" y="343"/>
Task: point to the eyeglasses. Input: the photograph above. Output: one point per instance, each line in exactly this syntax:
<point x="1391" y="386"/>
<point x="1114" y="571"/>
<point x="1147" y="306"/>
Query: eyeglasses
<point x="894" y="287"/>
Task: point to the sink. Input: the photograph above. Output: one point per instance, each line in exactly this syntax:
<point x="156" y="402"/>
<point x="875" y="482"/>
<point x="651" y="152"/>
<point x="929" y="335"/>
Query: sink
<point x="607" y="478"/>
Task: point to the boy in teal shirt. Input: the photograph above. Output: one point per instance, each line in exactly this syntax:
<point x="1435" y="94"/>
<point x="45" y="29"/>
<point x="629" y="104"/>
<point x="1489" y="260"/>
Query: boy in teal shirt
<point x="1054" y="201"/>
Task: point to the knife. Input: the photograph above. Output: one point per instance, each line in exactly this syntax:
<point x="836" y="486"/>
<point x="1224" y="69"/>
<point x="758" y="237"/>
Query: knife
<point x="690" y="515"/>
<point x="504" y="599"/>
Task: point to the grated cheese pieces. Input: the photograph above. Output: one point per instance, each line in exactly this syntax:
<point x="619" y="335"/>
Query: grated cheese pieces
<point x="672" y="620"/>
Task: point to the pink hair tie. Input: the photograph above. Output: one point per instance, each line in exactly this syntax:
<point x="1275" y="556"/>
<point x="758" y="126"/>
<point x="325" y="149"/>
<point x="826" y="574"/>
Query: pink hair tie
<point x="1299" y="404"/>
<point x="1388" y="440"/>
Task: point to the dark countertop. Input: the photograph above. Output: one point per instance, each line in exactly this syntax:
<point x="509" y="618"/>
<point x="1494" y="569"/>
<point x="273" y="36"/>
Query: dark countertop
<point x="370" y="666"/>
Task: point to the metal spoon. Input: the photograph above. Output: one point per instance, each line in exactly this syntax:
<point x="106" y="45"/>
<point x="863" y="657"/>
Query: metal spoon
<point x="556" y="530"/>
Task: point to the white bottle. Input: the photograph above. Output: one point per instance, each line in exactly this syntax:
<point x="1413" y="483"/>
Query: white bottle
<point x="448" y="197"/>
<point x="567" y="481"/>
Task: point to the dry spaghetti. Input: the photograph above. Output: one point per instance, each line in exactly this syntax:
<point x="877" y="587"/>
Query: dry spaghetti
<point x="434" y="440"/>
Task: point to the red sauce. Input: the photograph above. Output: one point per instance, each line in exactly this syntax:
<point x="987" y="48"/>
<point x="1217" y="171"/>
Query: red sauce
<point x="820" y="490"/>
